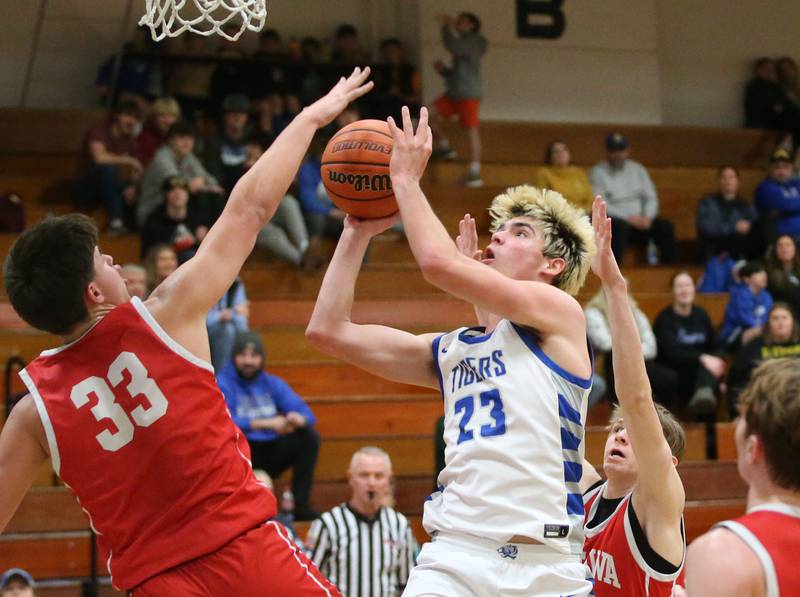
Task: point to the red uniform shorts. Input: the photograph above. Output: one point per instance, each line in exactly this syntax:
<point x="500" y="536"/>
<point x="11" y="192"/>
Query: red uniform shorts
<point x="261" y="562"/>
<point x="467" y="110"/>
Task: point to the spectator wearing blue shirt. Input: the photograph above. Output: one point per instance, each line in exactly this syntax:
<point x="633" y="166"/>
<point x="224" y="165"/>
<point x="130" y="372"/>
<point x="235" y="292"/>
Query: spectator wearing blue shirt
<point x="278" y="424"/>
<point x="322" y="216"/>
<point x="778" y="198"/>
<point x="225" y="322"/>
<point x="748" y="307"/>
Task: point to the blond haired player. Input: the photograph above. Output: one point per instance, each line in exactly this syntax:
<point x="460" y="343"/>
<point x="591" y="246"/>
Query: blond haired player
<point x="508" y="517"/>
<point x="756" y="554"/>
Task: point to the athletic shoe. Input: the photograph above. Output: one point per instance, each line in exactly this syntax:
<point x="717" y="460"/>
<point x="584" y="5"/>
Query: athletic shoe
<point x="473" y="181"/>
<point x="703" y="402"/>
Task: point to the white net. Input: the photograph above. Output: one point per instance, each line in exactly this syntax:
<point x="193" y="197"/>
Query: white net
<point x="228" y="18"/>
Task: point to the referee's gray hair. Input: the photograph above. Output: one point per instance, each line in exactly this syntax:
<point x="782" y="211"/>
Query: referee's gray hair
<point x="370" y="451"/>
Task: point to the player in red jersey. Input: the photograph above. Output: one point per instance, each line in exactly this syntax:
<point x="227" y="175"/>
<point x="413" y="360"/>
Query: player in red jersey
<point x="128" y="410"/>
<point x="634" y="543"/>
<point x="756" y="554"/>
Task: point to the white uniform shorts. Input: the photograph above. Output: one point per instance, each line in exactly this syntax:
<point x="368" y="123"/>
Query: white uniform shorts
<point x="465" y="566"/>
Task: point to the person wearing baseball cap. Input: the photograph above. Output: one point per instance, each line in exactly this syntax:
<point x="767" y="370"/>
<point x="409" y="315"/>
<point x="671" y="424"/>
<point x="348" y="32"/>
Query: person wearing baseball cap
<point x="778" y="197"/>
<point x="632" y="202"/>
<point x="16" y="582"/>
<point x="277" y="422"/>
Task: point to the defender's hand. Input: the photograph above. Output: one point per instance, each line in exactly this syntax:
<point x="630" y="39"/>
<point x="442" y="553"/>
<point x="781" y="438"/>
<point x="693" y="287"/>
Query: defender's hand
<point x="345" y="91"/>
<point x="604" y="265"/>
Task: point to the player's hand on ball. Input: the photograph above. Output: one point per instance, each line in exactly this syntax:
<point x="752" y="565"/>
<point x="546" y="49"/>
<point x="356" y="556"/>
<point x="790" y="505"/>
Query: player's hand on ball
<point x="604" y="265"/>
<point x="411" y="149"/>
<point x="371" y="227"/>
<point x="325" y="109"/>
<point x="467" y="239"/>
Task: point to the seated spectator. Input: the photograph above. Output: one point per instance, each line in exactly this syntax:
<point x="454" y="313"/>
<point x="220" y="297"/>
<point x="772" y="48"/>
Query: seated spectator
<point x="725" y="220"/>
<point x="225" y="322"/>
<point x="781" y="338"/>
<point x="225" y="153"/>
<point x="632" y="202"/>
<point x="366" y="524"/>
<point x="789" y="79"/>
<point x="109" y="168"/>
<point x="687" y="345"/>
<point x="135" y="278"/>
<point x="662" y="379"/>
<point x="176" y="159"/>
<point x="16" y="582"/>
<point x="278" y="424"/>
<point x="159" y="263"/>
<point x="323" y="218"/>
<point x="312" y="50"/>
<point x="164" y="113"/>
<point x="783" y="271"/>
<point x="178" y="221"/>
<point x="286" y="234"/>
<point x="558" y="174"/>
<point x="230" y="76"/>
<point x="347" y="48"/>
<point x="397" y="83"/>
<point x="747" y="308"/>
<point x="766" y="104"/>
<point x="778" y="198"/>
<point x="135" y="80"/>
<point x="190" y="82"/>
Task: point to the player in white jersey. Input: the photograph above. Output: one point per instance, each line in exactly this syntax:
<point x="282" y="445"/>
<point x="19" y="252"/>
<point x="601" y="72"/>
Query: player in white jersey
<point x="508" y="516"/>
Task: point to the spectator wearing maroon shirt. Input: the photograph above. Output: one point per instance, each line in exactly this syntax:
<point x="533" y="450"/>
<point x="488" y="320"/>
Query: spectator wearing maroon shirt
<point x="110" y="168"/>
<point x="166" y="112"/>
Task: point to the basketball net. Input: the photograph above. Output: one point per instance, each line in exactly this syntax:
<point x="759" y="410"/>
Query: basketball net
<point x="169" y="18"/>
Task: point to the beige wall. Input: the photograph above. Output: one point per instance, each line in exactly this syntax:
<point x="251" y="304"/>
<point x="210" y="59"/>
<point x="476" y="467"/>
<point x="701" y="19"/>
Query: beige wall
<point x="649" y="61"/>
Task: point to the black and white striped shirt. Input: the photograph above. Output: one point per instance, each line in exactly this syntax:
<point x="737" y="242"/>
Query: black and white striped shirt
<point x="364" y="558"/>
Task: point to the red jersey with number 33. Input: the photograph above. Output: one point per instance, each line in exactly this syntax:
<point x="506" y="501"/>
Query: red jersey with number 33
<point x="614" y="559"/>
<point x="139" y="430"/>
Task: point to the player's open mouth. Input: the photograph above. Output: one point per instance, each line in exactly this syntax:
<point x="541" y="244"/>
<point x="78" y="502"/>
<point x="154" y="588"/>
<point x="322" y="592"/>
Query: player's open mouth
<point x="488" y="256"/>
<point x="616" y="452"/>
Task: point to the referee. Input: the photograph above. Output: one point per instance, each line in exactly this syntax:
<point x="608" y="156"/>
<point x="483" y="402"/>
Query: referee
<point x="363" y="546"/>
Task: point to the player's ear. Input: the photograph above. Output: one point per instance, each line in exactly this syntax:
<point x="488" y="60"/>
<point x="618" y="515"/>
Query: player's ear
<point x="94" y="295"/>
<point x="555" y="265"/>
<point x="674" y="461"/>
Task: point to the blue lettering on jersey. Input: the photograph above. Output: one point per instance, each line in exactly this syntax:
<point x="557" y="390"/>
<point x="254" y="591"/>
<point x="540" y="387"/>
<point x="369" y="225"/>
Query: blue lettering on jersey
<point x="471" y="370"/>
<point x="466" y="405"/>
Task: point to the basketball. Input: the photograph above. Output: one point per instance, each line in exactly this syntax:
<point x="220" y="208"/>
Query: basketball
<point x="355" y="169"/>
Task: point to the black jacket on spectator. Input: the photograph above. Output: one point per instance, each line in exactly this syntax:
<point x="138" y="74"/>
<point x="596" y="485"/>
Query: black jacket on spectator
<point x="225" y="159"/>
<point x="681" y="340"/>
<point x="766" y="105"/>
<point x="160" y="228"/>
<point x="716" y="220"/>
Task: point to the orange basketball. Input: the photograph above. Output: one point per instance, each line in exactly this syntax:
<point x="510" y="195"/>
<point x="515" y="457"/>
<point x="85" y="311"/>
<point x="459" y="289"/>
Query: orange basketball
<point x="355" y="169"/>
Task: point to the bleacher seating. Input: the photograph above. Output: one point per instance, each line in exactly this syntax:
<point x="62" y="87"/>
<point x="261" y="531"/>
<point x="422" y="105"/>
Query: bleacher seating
<point x="49" y="535"/>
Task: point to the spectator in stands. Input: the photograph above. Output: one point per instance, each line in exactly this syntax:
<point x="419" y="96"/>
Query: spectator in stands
<point x="225" y="322"/>
<point x="135" y="278"/>
<point x="165" y="112"/>
<point x="230" y="76"/>
<point x="747" y="308"/>
<point x="323" y="218"/>
<point x="274" y="75"/>
<point x="462" y="97"/>
<point x="312" y="49"/>
<point x="558" y="174"/>
<point x="397" y="83"/>
<point x="766" y="105"/>
<point x="136" y="80"/>
<point x="365" y="542"/>
<point x="778" y="198"/>
<point x="788" y="79"/>
<point x="178" y="221"/>
<point x="781" y="338"/>
<point x="159" y="263"/>
<point x="176" y="158"/>
<point x="687" y="345"/>
<point x="278" y="424"/>
<point x="16" y="582"/>
<point x="632" y="202"/>
<point x="347" y="48"/>
<point x="662" y="379"/>
<point x="725" y="219"/>
<point x="225" y="153"/>
<point x="286" y="234"/>
<point x="783" y="271"/>
<point x="110" y="169"/>
<point x="190" y="82"/>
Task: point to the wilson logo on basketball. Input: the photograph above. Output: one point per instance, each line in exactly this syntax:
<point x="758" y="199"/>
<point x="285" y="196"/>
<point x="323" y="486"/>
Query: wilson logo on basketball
<point x="361" y="145"/>
<point x="362" y="182"/>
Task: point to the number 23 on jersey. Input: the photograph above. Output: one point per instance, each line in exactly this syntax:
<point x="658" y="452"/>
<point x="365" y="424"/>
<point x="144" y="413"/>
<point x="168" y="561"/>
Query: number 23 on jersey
<point x="466" y="407"/>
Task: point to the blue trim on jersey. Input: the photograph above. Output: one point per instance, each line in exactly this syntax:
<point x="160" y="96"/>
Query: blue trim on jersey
<point x="573" y="471"/>
<point x="435" y="349"/>
<point x="569" y="441"/>
<point x="531" y="343"/>
<point x="566" y="410"/>
<point x="575" y="504"/>
<point x="467" y="339"/>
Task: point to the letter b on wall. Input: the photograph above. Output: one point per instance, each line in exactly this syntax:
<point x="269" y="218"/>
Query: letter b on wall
<point x="543" y="19"/>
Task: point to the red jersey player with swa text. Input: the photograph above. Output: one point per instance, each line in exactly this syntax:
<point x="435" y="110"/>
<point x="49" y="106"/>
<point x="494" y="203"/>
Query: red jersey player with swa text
<point x="128" y="410"/>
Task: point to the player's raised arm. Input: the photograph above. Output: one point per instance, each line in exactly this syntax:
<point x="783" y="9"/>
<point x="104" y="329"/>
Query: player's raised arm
<point x="197" y="285"/>
<point x="390" y="353"/>
<point x="539" y="305"/>
<point x="659" y="496"/>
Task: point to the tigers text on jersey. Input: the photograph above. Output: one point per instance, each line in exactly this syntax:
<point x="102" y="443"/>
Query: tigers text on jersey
<point x="514" y="427"/>
<point x="772" y="532"/>
<point x="614" y="559"/>
<point x="138" y="429"/>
